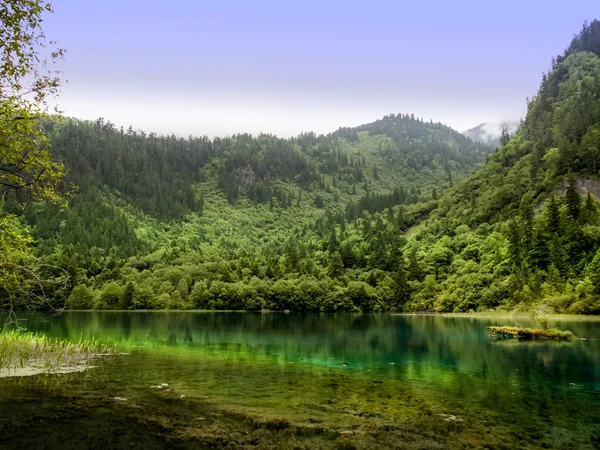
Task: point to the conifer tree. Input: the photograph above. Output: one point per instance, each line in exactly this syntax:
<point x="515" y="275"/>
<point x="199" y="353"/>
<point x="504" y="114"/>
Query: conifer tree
<point x="572" y="198"/>
<point x="553" y="216"/>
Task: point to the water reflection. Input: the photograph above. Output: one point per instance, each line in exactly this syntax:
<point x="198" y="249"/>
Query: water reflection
<point x="410" y="345"/>
<point x="382" y="365"/>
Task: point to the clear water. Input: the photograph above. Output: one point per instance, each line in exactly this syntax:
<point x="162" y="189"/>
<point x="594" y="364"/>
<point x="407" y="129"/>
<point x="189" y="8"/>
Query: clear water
<point x="308" y="381"/>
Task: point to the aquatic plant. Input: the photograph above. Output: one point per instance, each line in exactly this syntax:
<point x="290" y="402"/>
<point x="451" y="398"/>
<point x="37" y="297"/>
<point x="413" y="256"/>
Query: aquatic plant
<point x="37" y="353"/>
<point x="530" y="333"/>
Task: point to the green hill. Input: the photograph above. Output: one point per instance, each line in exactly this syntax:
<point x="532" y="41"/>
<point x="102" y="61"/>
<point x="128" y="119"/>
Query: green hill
<point x="168" y="217"/>
<point x="525" y="228"/>
<point x="387" y="216"/>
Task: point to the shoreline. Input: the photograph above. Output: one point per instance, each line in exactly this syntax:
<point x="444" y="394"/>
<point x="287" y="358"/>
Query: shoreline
<point x="483" y="314"/>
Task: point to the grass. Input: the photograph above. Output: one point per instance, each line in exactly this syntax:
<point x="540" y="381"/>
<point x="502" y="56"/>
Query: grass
<point x="530" y="333"/>
<point x="23" y="353"/>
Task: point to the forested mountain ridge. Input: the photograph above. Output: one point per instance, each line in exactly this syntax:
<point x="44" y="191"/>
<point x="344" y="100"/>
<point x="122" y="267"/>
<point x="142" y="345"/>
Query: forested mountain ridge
<point x="525" y="227"/>
<point x="157" y="173"/>
<point x="228" y="208"/>
<point x="380" y="217"/>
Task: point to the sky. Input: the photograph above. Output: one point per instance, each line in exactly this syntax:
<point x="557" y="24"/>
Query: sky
<point x="216" y="68"/>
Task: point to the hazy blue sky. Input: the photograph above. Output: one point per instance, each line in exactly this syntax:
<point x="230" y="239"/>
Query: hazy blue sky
<point x="222" y="67"/>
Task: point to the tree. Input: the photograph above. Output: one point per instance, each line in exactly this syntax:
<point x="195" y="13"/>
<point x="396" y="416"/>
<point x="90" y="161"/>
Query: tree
<point x="335" y="268"/>
<point x="553" y="216"/>
<point x="27" y="172"/>
<point x="333" y="244"/>
<point x="81" y="298"/>
<point x="127" y="298"/>
<point x="25" y="91"/>
<point x="590" y="145"/>
<point x="539" y="254"/>
<point x="504" y="137"/>
<point x="515" y="244"/>
<point x="572" y="198"/>
<point x="590" y="211"/>
<point x="593" y="270"/>
<point x="401" y="287"/>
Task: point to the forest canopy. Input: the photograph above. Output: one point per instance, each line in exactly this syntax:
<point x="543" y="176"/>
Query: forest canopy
<point x="397" y="215"/>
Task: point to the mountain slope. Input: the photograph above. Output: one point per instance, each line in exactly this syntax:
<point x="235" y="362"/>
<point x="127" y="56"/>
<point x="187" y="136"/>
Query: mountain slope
<point x="157" y="173"/>
<point x="162" y="214"/>
<point x="371" y="218"/>
<point x="525" y="227"/>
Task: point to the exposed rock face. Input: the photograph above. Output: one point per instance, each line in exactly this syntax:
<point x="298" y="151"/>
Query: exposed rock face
<point x="245" y="179"/>
<point x="584" y="186"/>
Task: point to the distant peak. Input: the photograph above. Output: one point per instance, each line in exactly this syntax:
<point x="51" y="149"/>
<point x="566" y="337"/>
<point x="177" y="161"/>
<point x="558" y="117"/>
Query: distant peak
<point x="488" y="133"/>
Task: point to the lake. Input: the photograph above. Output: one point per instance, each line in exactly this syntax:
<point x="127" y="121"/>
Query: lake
<point x="275" y="380"/>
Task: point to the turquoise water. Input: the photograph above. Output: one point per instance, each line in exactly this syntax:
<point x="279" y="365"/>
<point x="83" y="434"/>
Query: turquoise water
<point x="312" y="381"/>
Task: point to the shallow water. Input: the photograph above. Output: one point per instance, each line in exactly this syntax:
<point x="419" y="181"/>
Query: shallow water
<point x="308" y="381"/>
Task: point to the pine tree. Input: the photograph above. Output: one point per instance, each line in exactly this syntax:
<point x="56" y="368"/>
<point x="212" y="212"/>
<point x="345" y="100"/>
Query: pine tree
<point x="335" y="268"/>
<point x="414" y="268"/>
<point x="332" y="243"/>
<point x="539" y="255"/>
<point x="515" y="245"/>
<point x="590" y="210"/>
<point x="573" y="199"/>
<point x="504" y="137"/>
<point x="401" y="287"/>
<point x="553" y="216"/>
<point x="127" y="297"/>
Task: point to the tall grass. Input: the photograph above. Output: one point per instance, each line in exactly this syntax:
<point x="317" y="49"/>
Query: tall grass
<point x="19" y="350"/>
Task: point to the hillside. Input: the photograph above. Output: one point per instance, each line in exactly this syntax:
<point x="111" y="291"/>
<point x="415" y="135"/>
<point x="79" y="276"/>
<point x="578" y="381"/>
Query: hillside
<point x="169" y="220"/>
<point x="387" y="216"/>
<point x="525" y="228"/>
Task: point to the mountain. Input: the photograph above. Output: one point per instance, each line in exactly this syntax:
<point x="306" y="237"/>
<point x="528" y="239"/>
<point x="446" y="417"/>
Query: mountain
<point x="395" y="215"/>
<point x="489" y="133"/>
<point x="174" y="221"/>
<point x="524" y="230"/>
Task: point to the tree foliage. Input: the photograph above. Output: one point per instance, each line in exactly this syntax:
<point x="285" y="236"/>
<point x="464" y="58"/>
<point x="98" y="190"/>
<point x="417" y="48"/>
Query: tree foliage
<point x="27" y="171"/>
<point x="380" y="217"/>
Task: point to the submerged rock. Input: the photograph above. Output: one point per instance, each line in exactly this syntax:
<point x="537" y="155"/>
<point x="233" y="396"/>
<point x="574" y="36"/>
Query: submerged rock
<point x="451" y="418"/>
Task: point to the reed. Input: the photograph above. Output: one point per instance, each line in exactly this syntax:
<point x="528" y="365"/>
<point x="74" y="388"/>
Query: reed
<point x="20" y="350"/>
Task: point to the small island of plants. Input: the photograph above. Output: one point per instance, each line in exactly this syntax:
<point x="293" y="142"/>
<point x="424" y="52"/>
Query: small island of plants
<point x="530" y="333"/>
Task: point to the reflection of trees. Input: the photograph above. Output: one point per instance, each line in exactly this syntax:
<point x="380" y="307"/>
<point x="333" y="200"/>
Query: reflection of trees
<point x="441" y="349"/>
